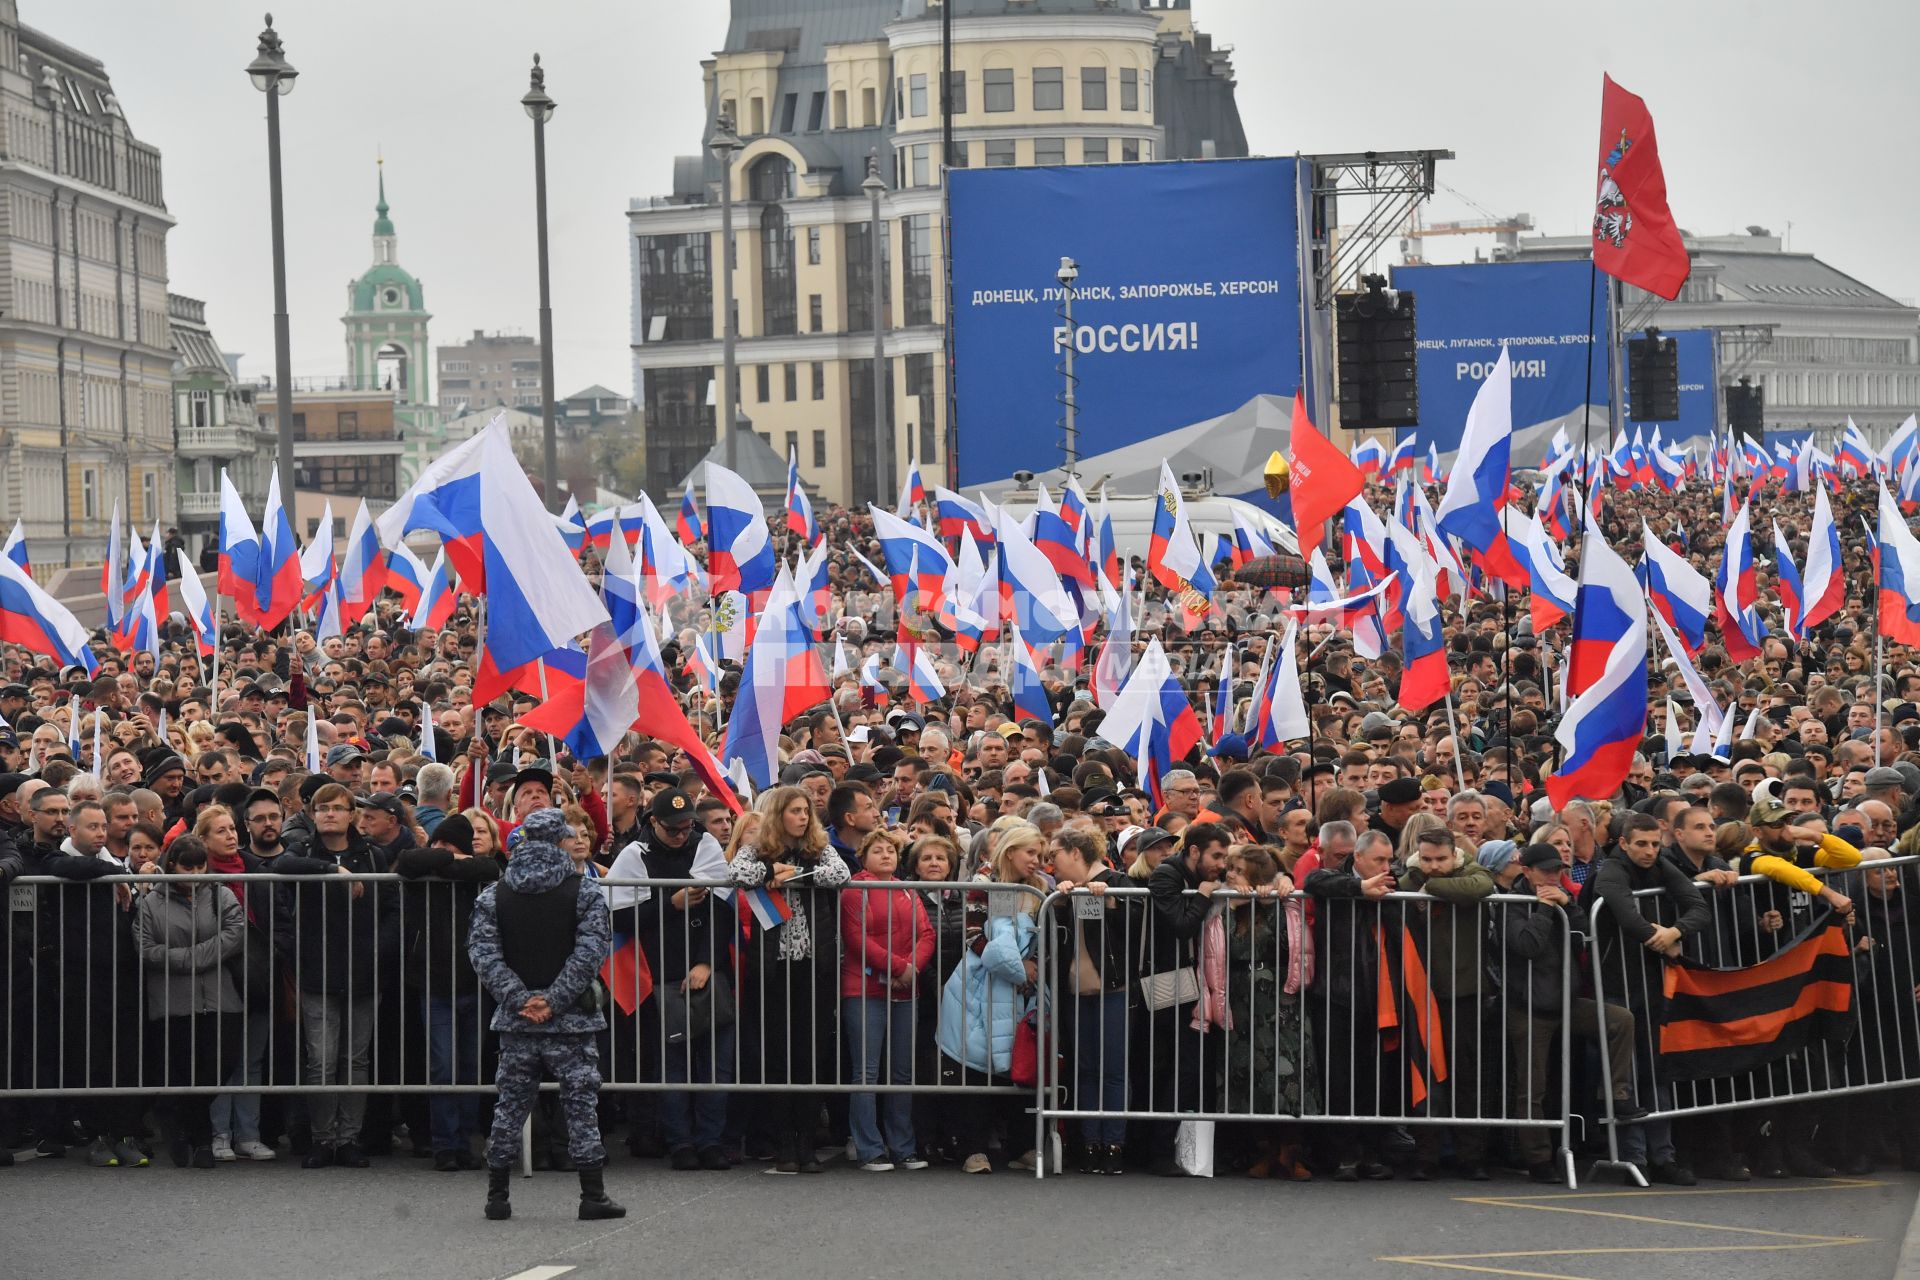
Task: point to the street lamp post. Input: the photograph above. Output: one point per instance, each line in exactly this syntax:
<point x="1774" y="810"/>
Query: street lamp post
<point x="539" y="108"/>
<point x="1069" y="272"/>
<point x="723" y="144"/>
<point x="882" y="431"/>
<point x="273" y="75"/>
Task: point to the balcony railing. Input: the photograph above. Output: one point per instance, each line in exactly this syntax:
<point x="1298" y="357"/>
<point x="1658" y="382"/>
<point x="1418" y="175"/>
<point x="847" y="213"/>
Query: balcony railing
<point x="199" y="506"/>
<point x="215" y="442"/>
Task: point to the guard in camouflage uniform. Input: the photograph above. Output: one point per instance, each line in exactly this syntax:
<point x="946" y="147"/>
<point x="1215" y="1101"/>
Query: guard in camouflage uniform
<point x="537" y="941"/>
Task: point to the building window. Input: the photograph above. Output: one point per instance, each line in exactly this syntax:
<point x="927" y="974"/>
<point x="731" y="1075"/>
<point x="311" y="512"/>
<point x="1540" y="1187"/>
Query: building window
<point x="899" y="98"/>
<point x="816" y="108"/>
<point x="1049" y="151"/>
<point x="1093" y="151"/>
<point x="819" y="386"/>
<point x="869" y="108"/>
<point x="813" y="246"/>
<point x="839" y="108"/>
<point x="348" y="425"/>
<point x="1049" y="89"/>
<point x="1129" y="150"/>
<point x="679" y="423"/>
<point x="1146" y="149"/>
<point x="920" y="398"/>
<point x="957" y="91"/>
<point x="676" y="292"/>
<point x="917" y="237"/>
<point x="771" y="181"/>
<point x="762" y="383"/>
<point x="959" y="158"/>
<point x="729" y="108"/>
<point x="791" y="381"/>
<point x="1093" y="88"/>
<point x="999" y="89"/>
<point x="819" y="446"/>
<point x="793" y="445"/>
<point x="89" y="494"/>
<point x="201" y="408"/>
<point x="371" y="477"/>
<point x="859" y="274"/>
<point x="756" y="115"/>
<point x="1129" y="89"/>
<point x="1000" y="153"/>
<point x="863" y="443"/>
<point x="921" y="156"/>
<point x="789" y="107"/>
<point x="917" y="94"/>
<point x="816" y="314"/>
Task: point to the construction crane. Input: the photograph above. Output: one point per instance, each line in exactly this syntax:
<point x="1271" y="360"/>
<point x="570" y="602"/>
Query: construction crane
<point x="1506" y="232"/>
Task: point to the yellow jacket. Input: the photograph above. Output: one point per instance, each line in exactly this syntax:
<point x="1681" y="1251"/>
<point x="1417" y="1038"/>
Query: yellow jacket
<point x="1833" y="853"/>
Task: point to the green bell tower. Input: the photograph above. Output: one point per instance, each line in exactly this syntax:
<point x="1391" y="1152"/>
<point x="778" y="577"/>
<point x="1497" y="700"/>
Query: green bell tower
<point x="386" y="324"/>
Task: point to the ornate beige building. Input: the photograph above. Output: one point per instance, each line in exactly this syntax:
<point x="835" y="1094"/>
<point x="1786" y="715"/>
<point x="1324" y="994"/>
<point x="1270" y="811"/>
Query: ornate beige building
<point x="85" y="357"/>
<point x="814" y="90"/>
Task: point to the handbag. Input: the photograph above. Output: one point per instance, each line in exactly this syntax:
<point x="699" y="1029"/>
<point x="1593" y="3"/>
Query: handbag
<point x="1024" y="1067"/>
<point x="694" y="1015"/>
<point x="1193" y="1148"/>
<point x="1167" y="990"/>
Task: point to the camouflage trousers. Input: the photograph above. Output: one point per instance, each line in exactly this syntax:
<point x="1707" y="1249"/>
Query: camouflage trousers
<point x="574" y="1062"/>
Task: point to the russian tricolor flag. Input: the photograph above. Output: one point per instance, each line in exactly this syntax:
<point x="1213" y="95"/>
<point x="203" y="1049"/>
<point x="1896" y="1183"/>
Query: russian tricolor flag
<point x="436" y="598"/>
<point x="1899" y="575"/>
<point x="1789" y="584"/>
<point x="1682" y="595"/>
<point x="500" y="542"/>
<point x="1737" y="592"/>
<point x="363" y="569"/>
<point x="277" y="581"/>
<point x="1030" y="591"/>
<point x="16" y="546"/>
<point x="239" y="555"/>
<point x="1470" y="510"/>
<point x="916" y="561"/>
<point x="1424" y="677"/>
<point x="572" y="529"/>
<point x="740" y="557"/>
<point x="1401" y="459"/>
<point x="1822" y="580"/>
<point x="1223" y="695"/>
<point x="1029" y="692"/>
<point x="1173" y="557"/>
<point x="406" y="576"/>
<point x="956" y="515"/>
<point x="1607" y="678"/>
<point x="1551" y="595"/>
<point x="193" y="598"/>
<point x="688" y="524"/>
<point x="800" y="521"/>
<point x="31" y="617"/>
<point x="1151" y="719"/>
<point x="781" y="678"/>
<point x="1370" y="457"/>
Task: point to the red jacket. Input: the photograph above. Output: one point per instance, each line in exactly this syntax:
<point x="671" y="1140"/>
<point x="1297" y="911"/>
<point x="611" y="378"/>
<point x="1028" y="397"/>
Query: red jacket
<point x="884" y="933"/>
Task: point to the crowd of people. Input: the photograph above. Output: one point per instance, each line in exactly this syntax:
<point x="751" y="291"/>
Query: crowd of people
<point x="1379" y="937"/>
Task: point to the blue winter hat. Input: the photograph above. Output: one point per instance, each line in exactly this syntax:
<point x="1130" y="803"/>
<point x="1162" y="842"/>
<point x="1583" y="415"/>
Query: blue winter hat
<point x="1494" y="855"/>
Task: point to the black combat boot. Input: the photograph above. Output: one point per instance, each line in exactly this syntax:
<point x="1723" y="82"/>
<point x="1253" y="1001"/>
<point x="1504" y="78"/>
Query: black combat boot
<point x="593" y="1196"/>
<point x="499" y="1208"/>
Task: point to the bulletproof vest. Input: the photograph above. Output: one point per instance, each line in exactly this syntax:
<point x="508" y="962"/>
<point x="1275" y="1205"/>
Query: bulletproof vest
<point x="536" y="930"/>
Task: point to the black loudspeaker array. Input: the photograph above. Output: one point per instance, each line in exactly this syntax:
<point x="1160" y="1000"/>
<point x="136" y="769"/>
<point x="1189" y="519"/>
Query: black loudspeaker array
<point x="1375" y="333"/>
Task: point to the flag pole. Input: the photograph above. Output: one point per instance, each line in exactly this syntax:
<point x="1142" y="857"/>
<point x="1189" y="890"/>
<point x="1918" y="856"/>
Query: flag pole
<point x="213" y="684"/>
<point x="1453" y="730"/>
<point x="551" y="758"/>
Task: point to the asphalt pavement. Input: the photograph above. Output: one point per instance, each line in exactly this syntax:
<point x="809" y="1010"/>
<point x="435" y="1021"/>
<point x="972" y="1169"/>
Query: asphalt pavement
<point x="239" y="1222"/>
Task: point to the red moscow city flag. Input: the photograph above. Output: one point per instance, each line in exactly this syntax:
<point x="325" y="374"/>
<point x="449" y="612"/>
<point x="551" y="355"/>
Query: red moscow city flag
<point x="1634" y="236"/>
<point x="1324" y="480"/>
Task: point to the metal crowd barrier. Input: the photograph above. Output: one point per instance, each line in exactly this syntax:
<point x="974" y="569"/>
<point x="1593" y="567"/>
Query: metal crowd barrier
<point x="1464" y="1048"/>
<point x="1882" y="1052"/>
<point x="361" y="983"/>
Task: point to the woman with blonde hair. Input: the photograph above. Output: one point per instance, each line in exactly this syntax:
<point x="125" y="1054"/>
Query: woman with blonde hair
<point x="746" y="828"/>
<point x="1404" y="852"/>
<point x="486" y="834"/>
<point x="993" y="989"/>
<point x="788" y="980"/>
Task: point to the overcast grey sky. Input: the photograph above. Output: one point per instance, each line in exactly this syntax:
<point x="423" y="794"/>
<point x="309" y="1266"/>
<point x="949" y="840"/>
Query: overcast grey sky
<point x="1768" y="112"/>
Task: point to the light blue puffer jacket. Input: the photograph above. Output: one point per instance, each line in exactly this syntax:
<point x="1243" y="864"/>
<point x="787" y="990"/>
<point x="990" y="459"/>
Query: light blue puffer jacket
<point x="982" y="1004"/>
